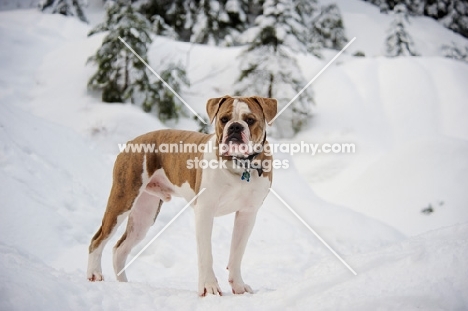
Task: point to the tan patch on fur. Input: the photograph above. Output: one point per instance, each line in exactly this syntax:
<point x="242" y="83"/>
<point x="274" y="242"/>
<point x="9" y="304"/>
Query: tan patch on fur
<point x="174" y="164"/>
<point x="212" y="106"/>
<point x="269" y="106"/>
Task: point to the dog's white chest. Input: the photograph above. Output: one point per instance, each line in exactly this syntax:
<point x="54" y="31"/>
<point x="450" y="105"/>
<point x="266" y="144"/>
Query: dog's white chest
<point x="235" y="194"/>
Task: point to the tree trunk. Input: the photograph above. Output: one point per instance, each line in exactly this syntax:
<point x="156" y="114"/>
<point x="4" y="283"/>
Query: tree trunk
<point x="270" y="86"/>
<point x="126" y="77"/>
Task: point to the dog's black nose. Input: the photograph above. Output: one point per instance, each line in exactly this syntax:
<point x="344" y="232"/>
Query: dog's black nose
<point x="235" y="128"/>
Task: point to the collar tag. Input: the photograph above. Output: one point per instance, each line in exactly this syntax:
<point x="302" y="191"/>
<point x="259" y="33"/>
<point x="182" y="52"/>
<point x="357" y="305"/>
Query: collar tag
<point x="246" y="165"/>
<point x="246" y="176"/>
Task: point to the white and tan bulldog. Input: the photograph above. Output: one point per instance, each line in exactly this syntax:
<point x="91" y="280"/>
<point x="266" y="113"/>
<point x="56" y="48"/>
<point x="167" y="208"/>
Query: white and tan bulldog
<point x="143" y="181"/>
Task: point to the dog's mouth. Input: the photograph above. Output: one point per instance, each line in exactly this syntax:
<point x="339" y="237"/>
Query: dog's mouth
<point x="235" y="145"/>
<point x="235" y="138"/>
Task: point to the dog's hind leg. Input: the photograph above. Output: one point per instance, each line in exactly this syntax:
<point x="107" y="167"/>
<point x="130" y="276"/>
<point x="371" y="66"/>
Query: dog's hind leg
<point x="141" y="218"/>
<point x="121" y="199"/>
<point x="116" y="212"/>
<point x="98" y="242"/>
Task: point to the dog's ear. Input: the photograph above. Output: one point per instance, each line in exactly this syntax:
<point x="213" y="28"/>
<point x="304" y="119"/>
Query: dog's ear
<point x="212" y="106"/>
<point x="269" y="107"/>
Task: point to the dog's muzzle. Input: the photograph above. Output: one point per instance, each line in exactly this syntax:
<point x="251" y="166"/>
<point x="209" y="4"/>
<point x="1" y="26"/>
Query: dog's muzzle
<point x="234" y="134"/>
<point x="236" y="141"/>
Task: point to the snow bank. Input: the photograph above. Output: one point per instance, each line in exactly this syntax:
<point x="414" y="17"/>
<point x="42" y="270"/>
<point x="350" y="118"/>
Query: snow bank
<point x="407" y="118"/>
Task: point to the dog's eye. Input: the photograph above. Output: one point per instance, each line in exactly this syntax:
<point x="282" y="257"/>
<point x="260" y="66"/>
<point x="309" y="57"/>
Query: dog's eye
<point x="250" y="121"/>
<point x="224" y="120"/>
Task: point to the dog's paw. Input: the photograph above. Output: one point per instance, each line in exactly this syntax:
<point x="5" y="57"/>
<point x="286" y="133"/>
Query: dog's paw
<point x="239" y="288"/>
<point x="95" y="276"/>
<point x="209" y="288"/>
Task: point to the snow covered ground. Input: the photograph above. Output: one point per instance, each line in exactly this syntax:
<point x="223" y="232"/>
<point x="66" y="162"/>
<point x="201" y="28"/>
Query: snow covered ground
<point x="407" y="118"/>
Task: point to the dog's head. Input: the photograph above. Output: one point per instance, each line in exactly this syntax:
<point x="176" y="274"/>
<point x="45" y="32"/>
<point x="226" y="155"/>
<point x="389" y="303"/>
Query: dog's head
<point x="240" y="122"/>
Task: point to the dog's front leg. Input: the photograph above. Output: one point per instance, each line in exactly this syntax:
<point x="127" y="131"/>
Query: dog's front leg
<point x="207" y="283"/>
<point x="243" y="226"/>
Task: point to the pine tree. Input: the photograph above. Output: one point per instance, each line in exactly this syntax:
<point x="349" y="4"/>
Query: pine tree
<point x="206" y="22"/>
<point x="202" y="127"/>
<point x="65" y="7"/>
<point x="413" y="7"/>
<point x="168" y="17"/>
<point x="437" y="9"/>
<point x="121" y="75"/>
<point x="457" y="18"/>
<point x="237" y="11"/>
<point x="268" y="67"/>
<point x="456" y="52"/>
<point x="307" y="11"/>
<point x="324" y="26"/>
<point x="453" y="14"/>
<point x="200" y="21"/>
<point x="399" y="41"/>
<point x="211" y="22"/>
<point x="328" y="28"/>
<point x="164" y="100"/>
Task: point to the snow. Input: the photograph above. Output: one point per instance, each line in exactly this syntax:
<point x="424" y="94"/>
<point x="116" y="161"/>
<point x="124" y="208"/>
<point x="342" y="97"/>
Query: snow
<point x="408" y="120"/>
<point x="407" y="117"/>
<point x="427" y="280"/>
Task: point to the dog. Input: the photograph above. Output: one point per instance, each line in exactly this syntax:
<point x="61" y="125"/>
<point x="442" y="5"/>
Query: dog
<point x="142" y="181"/>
